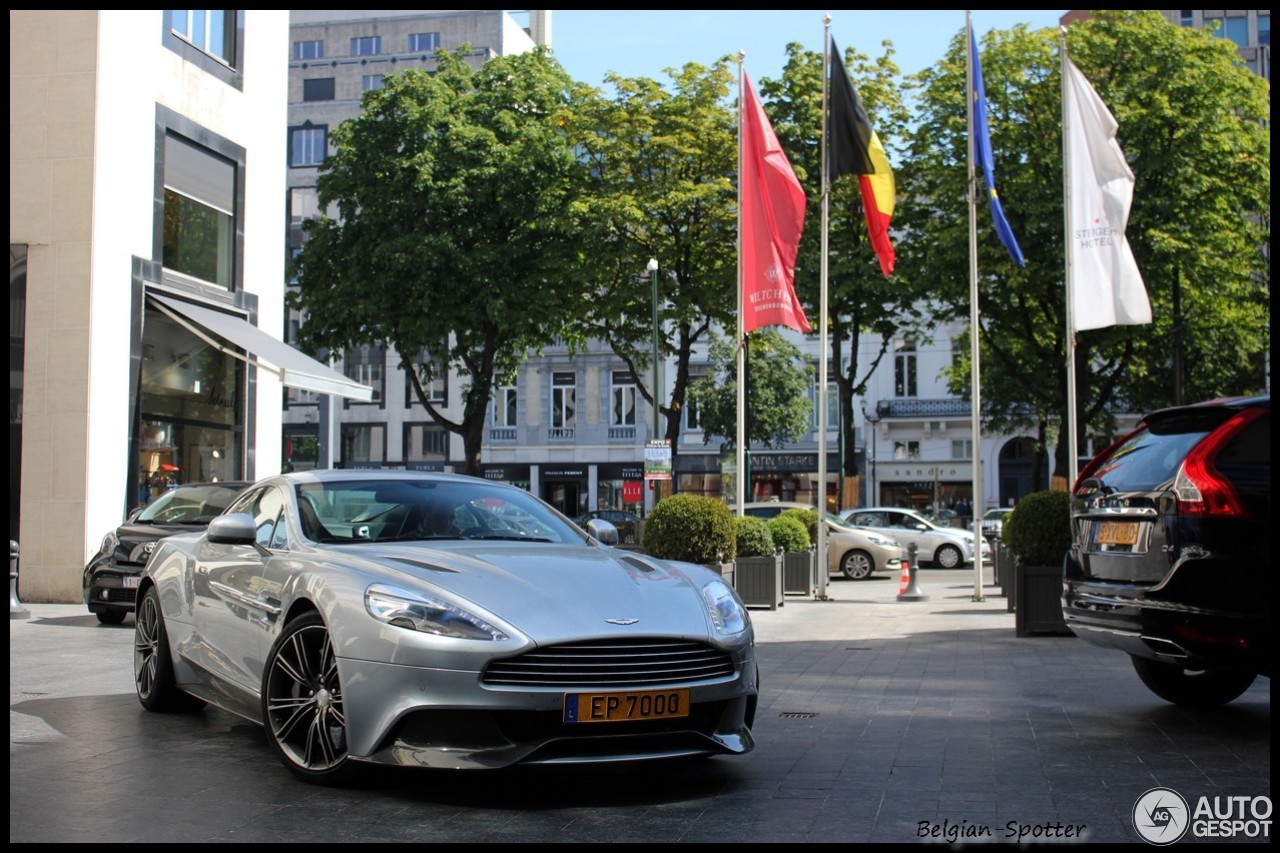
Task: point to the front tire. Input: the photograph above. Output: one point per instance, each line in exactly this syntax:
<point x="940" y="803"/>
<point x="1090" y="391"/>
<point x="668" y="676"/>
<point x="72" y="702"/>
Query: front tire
<point x="302" y="705"/>
<point x="152" y="665"/>
<point x="857" y="565"/>
<point x="1207" y="688"/>
<point x="949" y="557"/>
<point x="113" y="616"/>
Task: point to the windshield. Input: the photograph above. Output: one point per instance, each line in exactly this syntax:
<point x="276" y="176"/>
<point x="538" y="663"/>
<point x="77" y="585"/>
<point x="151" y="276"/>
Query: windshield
<point x="189" y="504"/>
<point x="400" y="510"/>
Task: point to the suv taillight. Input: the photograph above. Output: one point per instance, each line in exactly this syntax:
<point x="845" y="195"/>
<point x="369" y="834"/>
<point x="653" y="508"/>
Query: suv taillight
<point x="1199" y="486"/>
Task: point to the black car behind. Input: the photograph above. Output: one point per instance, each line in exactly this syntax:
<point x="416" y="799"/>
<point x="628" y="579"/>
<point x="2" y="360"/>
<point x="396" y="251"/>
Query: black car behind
<point x="1171" y="554"/>
<point x="111" y="576"/>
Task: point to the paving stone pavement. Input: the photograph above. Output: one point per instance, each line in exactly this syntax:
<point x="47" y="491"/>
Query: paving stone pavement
<point x="879" y="721"/>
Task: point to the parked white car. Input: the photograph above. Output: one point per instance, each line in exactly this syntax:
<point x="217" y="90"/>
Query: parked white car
<point x="947" y="547"/>
<point x="851" y="552"/>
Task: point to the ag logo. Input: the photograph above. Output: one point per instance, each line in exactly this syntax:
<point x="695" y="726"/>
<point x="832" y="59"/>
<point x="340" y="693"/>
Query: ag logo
<point x="1161" y="816"/>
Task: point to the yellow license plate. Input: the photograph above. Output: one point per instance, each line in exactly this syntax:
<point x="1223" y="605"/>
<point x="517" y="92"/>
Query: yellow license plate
<point x="1117" y="532"/>
<point x="624" y="707"/>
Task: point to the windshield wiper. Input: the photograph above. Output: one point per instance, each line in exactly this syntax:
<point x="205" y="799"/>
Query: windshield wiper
<point x="509" y="537"/>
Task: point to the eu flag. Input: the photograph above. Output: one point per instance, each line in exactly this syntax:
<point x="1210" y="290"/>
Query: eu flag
<point x="982" y="151"/>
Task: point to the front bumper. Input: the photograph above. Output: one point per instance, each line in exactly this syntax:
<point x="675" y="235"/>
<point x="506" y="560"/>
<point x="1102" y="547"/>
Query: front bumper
<point x="425" y="717"/>
<point x="111" y="587"/>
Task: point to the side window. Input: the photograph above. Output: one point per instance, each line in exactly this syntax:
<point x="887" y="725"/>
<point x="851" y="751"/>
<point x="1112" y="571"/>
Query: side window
<point x="267" y="516"/>
<point x="246" y="502"/>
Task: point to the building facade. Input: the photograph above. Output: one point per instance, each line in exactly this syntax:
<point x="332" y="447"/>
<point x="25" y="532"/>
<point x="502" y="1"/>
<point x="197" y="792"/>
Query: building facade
<point x="146" y="274"/>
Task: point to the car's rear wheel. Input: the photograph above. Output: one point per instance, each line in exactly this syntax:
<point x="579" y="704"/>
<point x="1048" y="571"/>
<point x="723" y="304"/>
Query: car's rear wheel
<point x="857" y="565"/>
<point x="302" y="703"/>
<point x="112" y="616"/>
<point x="949" y="557"/>
<point x="1206" y="688"/>
<point x="152" y="665"/>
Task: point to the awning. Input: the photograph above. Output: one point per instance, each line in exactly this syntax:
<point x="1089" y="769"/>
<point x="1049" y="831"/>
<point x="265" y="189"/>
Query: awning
<point x="295" y="369"/>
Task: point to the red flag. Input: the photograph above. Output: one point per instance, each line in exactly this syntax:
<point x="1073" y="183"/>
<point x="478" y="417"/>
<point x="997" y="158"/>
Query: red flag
<point x="770" y="219"/>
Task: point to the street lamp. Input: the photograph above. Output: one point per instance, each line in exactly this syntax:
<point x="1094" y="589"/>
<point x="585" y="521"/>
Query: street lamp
<point x="652" y="268"/>
<point x="871" y="419"/>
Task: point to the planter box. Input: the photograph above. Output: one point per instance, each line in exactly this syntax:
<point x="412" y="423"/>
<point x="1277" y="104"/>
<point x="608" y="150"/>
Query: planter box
<point x="758" y="581"/>
<point x="797" y="573"/>
<point x="1038" y="590"/>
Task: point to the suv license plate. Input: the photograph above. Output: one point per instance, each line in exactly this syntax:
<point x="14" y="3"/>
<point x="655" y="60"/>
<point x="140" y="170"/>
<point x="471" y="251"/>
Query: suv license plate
<point x="1117" y="532"/>
<point x="625" y="707"/>
<point x="130" y="581"/>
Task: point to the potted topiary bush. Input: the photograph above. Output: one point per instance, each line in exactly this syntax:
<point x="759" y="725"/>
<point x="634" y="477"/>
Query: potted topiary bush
<point x="791" y="536"/>
<point x="757" y="570"/>
<point x="691" y="528"/>
<point x="1038" y="533"/>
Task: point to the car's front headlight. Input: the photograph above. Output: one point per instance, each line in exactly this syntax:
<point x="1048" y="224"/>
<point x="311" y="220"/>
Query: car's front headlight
<point x="418" y="611"/>
<point x="726" y="612"/>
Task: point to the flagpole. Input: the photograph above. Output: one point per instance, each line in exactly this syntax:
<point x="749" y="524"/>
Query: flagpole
<point x="823" y="361"/>
<point x="740" y="441"/>
<point x="1069" y="245"/>
<point x="979" y="501"/>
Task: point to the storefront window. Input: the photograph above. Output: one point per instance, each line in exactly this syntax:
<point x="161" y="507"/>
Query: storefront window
<point x="191" y="429"/>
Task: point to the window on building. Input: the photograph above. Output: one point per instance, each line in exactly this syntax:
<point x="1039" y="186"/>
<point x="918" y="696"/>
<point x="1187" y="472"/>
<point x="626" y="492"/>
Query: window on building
<point x="308" y="49"/>
<point x="423" y="42"/>
<point x="437" y="390"/>
<point x="691" y="417"/>
<point x="317" y="89"/>
<point x="1264" y="29"/>
<point x="364" y="444"/>
<point x="367" y="365"/>
<point x="304" y="203"/>
<point x="1186" y="17"/>
<point x="961" y="449"/>
<point x="504" y="406"/>
<point x="623" y="410"/>
<point x="906" y="450"/>
<point x="563" y="400"/>
<point x="209" y="30"/>
<point x="369" y="82"/>
<point x="293" y="266"/>
<point x="425" y="443"/>
<point x="904" y="369"/>
<point x="308" y="145"/>
<point x="199" y="212"/>
<point x="366" y="45"/>
<point x="833" y="405"/>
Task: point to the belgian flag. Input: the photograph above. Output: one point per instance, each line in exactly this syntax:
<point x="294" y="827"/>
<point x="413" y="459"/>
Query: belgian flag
<point x="854" y="149"/>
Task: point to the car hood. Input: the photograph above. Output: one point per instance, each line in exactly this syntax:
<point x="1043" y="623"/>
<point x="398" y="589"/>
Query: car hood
<point x="558" y="591"/>
<point x="133" y="537"/>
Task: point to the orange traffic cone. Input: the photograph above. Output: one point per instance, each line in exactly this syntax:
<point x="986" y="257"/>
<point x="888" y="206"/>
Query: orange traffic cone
<point x="906" y="577"/>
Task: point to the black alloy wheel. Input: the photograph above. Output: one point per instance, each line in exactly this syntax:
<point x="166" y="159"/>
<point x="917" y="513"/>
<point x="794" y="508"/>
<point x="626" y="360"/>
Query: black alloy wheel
<point x="152" y="666"/>
<point x="302" y="703"/>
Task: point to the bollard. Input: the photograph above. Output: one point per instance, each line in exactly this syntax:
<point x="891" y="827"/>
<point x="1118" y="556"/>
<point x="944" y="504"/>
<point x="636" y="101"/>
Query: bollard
<point x="912" y="592"/>
<point x="16" y="610"/>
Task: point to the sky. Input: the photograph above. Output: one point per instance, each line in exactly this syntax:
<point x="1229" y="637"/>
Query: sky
<point x="643" y="43"/>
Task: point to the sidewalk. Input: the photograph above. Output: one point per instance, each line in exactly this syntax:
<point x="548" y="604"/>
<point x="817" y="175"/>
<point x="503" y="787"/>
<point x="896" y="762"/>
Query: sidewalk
<point x="879" y="721"/>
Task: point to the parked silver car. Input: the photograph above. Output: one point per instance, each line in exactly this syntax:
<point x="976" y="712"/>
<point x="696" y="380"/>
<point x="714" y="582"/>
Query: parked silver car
<point x="948" y="547"/>
<point x="851" y="552"/>
<point x="402" y="618"/>
<point x="993" y="521"/>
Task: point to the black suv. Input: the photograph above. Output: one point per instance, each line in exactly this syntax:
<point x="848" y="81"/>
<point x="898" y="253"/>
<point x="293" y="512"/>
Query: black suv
<point x="1171" y="555"/>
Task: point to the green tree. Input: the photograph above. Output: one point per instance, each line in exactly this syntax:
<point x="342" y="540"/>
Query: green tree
<point x="456" y="241"/>
<point x="861" y="301"/>
<point x="779" y="411"/>
<point x="661" y="161"/>
<point x="1193" y="126"/>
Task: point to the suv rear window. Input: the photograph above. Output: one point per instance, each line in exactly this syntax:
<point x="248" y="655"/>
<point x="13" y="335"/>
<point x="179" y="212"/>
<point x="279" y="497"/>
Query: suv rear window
<point x="1146" y="460"/>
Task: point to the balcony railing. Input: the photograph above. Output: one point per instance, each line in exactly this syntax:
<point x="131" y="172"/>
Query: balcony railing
<point x="502" y="433"/>
<point x="560" y="434"/>
<point x="622" y="433"/>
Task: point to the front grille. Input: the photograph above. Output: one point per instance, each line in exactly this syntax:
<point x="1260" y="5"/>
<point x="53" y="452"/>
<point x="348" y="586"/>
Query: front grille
<point x="621" y="662"/>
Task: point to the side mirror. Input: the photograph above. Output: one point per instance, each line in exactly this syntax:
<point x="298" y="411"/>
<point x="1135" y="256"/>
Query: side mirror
<point x="920" y="527"/>
<point x="237" y="529"/>
<point x="603" y="531"/>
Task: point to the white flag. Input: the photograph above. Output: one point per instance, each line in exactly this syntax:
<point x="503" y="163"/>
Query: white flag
<point x="1106" y="287"/>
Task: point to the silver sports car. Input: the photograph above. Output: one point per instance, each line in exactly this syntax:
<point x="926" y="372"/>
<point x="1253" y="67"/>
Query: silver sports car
<point x="432" y="620"/>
